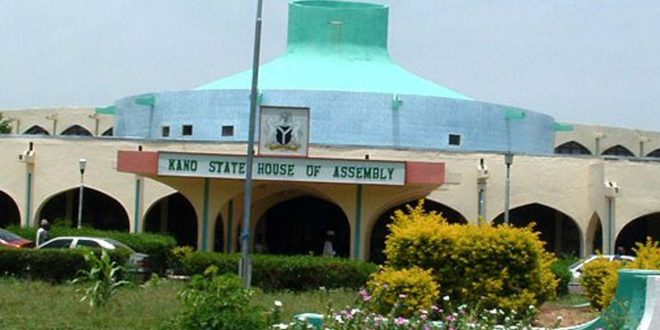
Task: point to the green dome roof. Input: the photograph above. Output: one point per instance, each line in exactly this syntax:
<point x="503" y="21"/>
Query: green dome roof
<point x="336" y="46"/>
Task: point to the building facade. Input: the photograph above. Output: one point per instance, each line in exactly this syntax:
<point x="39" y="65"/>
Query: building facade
<point x="346" y="137"/>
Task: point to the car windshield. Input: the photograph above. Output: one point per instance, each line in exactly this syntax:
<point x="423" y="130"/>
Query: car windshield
<point x="118" y="244"/>
<point x="8" y="236"/>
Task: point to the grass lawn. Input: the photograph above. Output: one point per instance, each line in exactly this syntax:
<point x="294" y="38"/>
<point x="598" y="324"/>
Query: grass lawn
<point x="38" y="305"/>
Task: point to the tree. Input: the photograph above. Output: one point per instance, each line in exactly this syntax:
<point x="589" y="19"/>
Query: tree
<point x="5" y="125"/>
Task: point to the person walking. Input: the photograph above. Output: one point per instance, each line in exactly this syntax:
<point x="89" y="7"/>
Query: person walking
<point x="328" y="249"/>
<point x="43" y="234"/>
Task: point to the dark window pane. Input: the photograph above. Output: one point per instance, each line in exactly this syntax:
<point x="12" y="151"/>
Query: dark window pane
<point x="87" y="243"/>
<point x="57" y="244"/>
<point x="572" y="148"/>
<point x="187" y="130"/>
<point x="618" y="150"/>
<point x="228" y="130"/>
<point x="454" y="140"/>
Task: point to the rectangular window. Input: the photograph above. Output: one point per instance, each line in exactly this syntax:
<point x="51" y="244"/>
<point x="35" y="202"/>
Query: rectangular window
<point x="454" y="139"/>
<point x="165" y="131"/>
<point x="228" y="130"/>
<point x="187" y="130"/>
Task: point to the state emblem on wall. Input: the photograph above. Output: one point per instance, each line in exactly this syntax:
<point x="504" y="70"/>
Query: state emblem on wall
<point x="283" y="131"/>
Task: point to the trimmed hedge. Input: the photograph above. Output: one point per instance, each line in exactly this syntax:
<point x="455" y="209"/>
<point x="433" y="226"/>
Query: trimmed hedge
<point x="296" y="273"/>
<point x="52" y="265"/>
<point x="156" y="246"/>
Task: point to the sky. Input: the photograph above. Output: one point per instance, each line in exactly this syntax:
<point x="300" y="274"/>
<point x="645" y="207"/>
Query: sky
<point x="580" y="61"/>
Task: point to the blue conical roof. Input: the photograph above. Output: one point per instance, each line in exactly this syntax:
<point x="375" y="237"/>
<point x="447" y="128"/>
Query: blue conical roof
<point x="336" y="46"/>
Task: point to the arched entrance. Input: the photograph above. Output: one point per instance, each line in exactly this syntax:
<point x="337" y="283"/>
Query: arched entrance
<point x="638" y="230"/>
<point x="572" y="148"/>
<point x="36" y="130"/>
<point x="100" y="211"/>
<point x="380" y="231"/>
<point x="173" y="215"/>
<point x="219" y="240"/>
<point x="300" y="226"/>
<point x="560" y="233"/>
<point x="76" y="130"/>
<point x="9" y="214"/>
<point x="595" y="234"/>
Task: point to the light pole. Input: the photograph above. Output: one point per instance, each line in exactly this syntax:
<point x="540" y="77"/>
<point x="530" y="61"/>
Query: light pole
<point x="508" y="160"/>
<point x="82" y="162"/>
<point x="245" y="266"/>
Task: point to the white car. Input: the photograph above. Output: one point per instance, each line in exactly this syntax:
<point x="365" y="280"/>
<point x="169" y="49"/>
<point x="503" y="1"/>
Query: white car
<point x="577" y="268"/>
<point x="138" y="262"/>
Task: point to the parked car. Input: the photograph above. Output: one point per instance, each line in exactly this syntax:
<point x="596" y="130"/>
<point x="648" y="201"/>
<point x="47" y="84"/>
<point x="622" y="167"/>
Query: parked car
<point x="9" y="239"/>
<point x="577" y="268"/>
<point x="138" y="263"/>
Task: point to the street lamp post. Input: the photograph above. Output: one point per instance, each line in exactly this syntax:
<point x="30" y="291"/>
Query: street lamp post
<point x="245" y="266"/>
<point x="508" y="160"/>
<point x="81" y="165"/>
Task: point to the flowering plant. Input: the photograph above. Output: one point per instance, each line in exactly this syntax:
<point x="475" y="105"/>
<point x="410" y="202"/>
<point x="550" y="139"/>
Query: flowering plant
<point x="446" y="317"/>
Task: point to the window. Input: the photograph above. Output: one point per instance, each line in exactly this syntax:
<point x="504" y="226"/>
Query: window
<point x="76" y="130"/>
<point x="655" y="153"/>
<point x="165" y="131"/>
<point x="108" y="132"/>
<point x="57" y="244"/>
<point x="572" y="148"/>
<point x="454" y="139"/>
<point x="228" y="130"/>
<point x="187" y="130"/>
<point x="87" y="243"/>
<point x="618" y="150"/>
<point x="36" y="130"/>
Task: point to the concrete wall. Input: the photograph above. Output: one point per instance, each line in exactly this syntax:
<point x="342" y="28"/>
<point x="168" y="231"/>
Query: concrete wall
<point x="344" y="119"/>
<point x="599" y="138"/>
<point x="571" y="185"/>
<point x="57" y="120"/>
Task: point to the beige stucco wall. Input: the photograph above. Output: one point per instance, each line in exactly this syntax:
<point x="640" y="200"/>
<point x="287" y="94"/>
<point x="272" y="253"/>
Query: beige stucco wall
<point x="573" y="185"/>
<point x="57" y="120"/>
<point x="606" y="137"/>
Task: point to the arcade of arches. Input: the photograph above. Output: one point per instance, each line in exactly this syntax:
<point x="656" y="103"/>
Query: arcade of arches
<point x="9" y="214"/>
<point x="638" y="230"/>
<point x="100" y="211"/>
<point x="175" y="216"/>
<point x="559" y="232"/>
<point x="301" y="226"/>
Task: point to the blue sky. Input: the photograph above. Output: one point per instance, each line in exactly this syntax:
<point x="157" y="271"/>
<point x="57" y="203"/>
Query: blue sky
<point x="589" y="61"/>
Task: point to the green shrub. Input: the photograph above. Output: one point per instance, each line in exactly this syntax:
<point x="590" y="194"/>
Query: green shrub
<point x="560" y="268"/>
<point x="647" y="257"/>
<point x="401" y="292"/>
<point x="297" y="273"/>
<point x="493" y="267"/>
<point x="155" y="245"/>
<point x="593" y="278"/>
<point x="48" y="265"/>
<point x="217" y="302"/>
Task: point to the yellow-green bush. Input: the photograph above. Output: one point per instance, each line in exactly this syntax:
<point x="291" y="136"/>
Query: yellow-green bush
<point x="594" y="276"/>
<point x="402" y="291"/>
<point x="494" y="267"/>
<point x="648" y="257"/>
